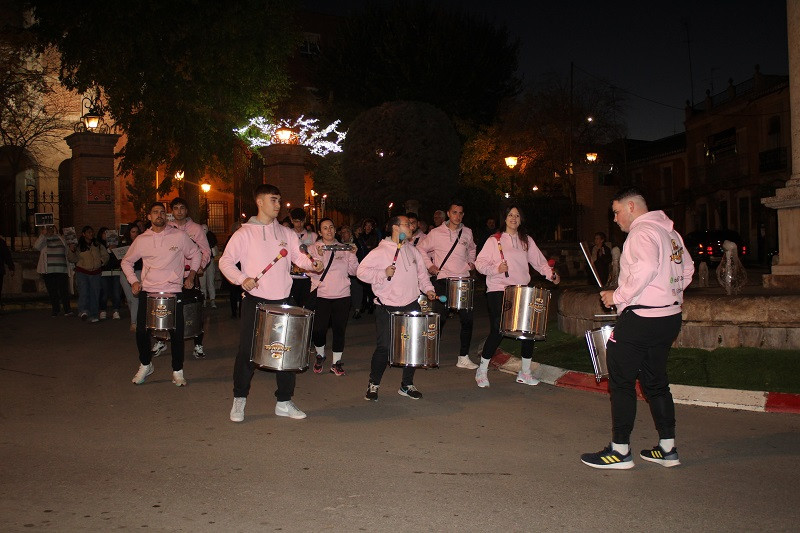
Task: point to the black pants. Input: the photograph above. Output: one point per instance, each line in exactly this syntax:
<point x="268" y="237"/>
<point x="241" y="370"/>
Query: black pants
<point x="143" y="336"/>
<point x="380" y="357"/>
<point x="58" y="291"/>
<point x="332" y="312"/>
<point x="464" y="315"/>
<point x="301" y="288"/>
<point x="494" y="302"/>
<point x="638" y="348"/>
<point x="243" y="367"/>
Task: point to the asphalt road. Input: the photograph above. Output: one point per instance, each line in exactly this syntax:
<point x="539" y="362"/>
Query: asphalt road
<point x="83" y="449"/>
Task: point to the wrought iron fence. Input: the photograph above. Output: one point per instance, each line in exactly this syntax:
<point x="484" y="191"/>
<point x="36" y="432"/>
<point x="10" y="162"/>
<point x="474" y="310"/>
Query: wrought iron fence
<point x="18" y="215"/>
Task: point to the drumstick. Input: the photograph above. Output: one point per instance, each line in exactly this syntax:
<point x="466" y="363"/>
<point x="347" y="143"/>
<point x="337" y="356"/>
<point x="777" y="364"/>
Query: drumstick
<point x="591" y="266"/>
<point x="400" y="239"/>
<point x="500" y="247"/>
<point x="282" y="253"/>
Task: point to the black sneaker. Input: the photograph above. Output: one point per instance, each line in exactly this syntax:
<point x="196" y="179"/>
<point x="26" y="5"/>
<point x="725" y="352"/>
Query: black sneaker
<point x="336" y="368"/>
<point x="318" y="365"/>
<point x="658" y="455"/>
<point x="372" y="392"/>
<point x="410" y="391"/>
<point x="609" y="459"/>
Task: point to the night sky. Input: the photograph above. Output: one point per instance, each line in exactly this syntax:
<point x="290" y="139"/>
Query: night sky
<point x="639" y="47"/>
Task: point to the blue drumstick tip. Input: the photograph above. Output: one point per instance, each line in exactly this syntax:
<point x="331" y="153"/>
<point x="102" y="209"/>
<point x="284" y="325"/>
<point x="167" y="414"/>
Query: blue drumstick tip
<point x="401" y="237"/>
<point x="443" y="298"/>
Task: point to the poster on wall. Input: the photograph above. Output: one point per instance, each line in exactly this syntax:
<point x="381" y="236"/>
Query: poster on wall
<point x="98" y="190"/>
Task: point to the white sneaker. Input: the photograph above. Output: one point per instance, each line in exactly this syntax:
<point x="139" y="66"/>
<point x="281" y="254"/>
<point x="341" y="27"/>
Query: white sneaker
<point x="213" y="304"/>
<point x="481" y="376"/>
<point x="289" y="409"/>
<point x="158" y="348"/>
<point x="115" y="315"/>
<point x="464" y="362"/>
<point x="141" y="375"/>
<point x="526" y="379"/>
<point x="198" y="351"/>
<point x="178" y="379"/>
<point x="102" y="315"/>
<point x="237" y="411"/>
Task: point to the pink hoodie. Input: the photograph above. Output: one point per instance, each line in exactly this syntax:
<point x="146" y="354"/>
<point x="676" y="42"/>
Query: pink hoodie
<point x="336" y="283"/>
<point x="654" y="268"/>
<point x="164" y="255"/>
<point x="409" y="279"/>
<point x="489" y="260"/>
<point x="196" y="233"/>
<point x="439" y="241"/>
<point x="256" y="245"/>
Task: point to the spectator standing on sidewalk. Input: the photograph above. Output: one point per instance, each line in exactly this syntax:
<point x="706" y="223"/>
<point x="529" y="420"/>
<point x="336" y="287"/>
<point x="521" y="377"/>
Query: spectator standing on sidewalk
<point x="88" y="256"/>
<point x="109" y="279"/>
<point x="5" y="262"/>
<point x="133" y="302"/>
<point x="53" y="268"/>
<point x="208" y="278"/>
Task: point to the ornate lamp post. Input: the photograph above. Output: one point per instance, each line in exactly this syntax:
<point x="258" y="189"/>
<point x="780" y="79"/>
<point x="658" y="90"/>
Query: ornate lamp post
<point x="511" y="162"/>
<point x="206" y="187"/>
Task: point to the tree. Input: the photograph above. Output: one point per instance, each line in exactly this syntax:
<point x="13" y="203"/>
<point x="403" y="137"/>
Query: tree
<point x="178" y="76"/>
<point x="400" y="151"/>
<point x="419" y="51"/>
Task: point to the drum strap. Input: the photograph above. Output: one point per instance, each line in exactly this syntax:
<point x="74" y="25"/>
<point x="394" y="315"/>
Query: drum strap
<point x="458" y="238"/>
<point x="327" y="267"/>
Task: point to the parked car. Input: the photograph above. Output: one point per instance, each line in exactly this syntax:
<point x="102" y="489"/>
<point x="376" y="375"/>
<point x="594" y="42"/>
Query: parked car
<point x="707" y="245"/>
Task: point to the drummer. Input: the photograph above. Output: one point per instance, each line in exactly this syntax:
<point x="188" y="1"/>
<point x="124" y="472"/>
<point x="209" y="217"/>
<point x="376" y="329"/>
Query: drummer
<point x="164" y="251"/>
<point x="404" y="264"/>
<point x="257" y="244"/>
<point x="332" y="291"/>
<point x="508" y="252"/>
<point x="416" y="233"/>
<point x="453" y="251"/>
<point x="301" y="284"/>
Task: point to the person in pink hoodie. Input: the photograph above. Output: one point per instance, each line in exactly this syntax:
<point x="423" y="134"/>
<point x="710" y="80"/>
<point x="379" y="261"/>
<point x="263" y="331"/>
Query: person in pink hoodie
<point x="396" y="285"/>
<point x="195" y="231"/>
<point x="504" y="259"/>
<point x="655" y="268"/>
<point x="453" y="250"/>
<point x="330" y="294"/>
<point x="260" y="242"/>
<point x="164" y="251"/>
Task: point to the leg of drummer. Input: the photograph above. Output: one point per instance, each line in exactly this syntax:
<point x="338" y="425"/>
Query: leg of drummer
<point x="524" y="376"/>
<point x="285" y="406"/>
<point x="380" y="357"/>
<point x="143" y="342"/>
<point x="243" y="368"/>
<point x="339" y="313"/>
<point x="176" y="340"/>
<point x="494" y="304"/>
<point x="465" y="316"/>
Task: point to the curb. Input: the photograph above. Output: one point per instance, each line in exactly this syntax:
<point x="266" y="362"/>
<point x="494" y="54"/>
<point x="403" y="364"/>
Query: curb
<point x="759" y="401"/>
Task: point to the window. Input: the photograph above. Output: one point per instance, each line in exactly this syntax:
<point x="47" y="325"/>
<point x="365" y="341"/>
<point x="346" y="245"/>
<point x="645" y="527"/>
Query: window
<point x="722" y="144"/>
<point x="666" y="186"/>
<point x="218" y="216"/>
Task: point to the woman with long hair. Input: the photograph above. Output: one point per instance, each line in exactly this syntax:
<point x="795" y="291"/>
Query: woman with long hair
<point x="109" y="280"/>
<point x="332" y="302"/>
<point x="88" y="256"/>
<point x="504" y="259"/>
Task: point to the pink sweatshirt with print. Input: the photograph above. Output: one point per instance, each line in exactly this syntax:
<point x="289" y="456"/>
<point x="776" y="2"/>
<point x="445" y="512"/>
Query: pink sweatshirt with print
<point x="255" y="245"/>
<point x="337" y="281"/>
<point x="163" y="256"/>
<point x="196" y="233"/>
<point x="654" y="268"/>
<point x="409" y="279"/>
<point x="439" y="241"/>
<point x="489" y="260"/>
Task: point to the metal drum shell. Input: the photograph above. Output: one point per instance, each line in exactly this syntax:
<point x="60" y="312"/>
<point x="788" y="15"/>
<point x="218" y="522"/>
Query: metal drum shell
<point x="192" y="316"/>
<point x="281" y="337"/>
<point x="161" y="307"/>
<point x="525" y="311"/>
<point x="460" y="293"/>
<point x="596" y="340"/>
<point x="414" y="339"/>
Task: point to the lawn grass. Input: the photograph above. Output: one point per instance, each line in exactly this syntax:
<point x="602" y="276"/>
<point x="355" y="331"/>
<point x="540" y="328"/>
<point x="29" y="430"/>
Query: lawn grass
<point x="730" y="368"/>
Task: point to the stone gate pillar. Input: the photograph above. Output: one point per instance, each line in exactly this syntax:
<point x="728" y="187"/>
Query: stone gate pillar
<point x="93" y="196"/>
<point x="284" y="167"/>
<point x="786" y="274"/>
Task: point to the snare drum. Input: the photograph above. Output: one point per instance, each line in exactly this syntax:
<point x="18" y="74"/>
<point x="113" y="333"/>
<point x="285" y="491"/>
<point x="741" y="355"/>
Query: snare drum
<point x="597" y="339"/>
<point x="460" y="293"/>
<point x="281" y="337"/>
<point x="192" y="304"/>
<point x="161" y="308"/>
<point x="414" y="339"/>
<point x="525" y="312"/>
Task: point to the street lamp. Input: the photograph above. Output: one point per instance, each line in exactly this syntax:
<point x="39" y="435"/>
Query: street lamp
<point x="591" y="157"/>
<point x="285" y="136"/>
<point x="179" y="178"/>
<point x="206" y="187"/>
<point x="511" y="162"/>
<point x="92" y="120"/>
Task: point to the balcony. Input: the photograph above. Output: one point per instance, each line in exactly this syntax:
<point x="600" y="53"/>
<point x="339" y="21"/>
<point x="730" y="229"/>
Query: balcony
<point x="773" y="160"/>
<point x="730" y="168"/>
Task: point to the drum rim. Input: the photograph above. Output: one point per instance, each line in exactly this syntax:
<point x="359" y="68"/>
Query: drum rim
<point x="160" y="295"/>
<point x="413" y="313"/>
<point x="261" y="306"/>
